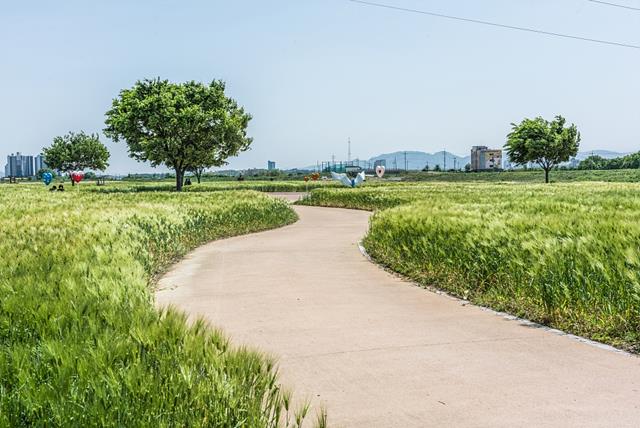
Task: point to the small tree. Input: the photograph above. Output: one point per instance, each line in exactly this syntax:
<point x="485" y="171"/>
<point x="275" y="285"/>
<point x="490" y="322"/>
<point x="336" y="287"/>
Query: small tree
<point x="187" y="127"/>
<point x="217" y="157"/>
<point x="542" y="142"/>
<point x="76" y="152"/>
<point x="198" y="173"/>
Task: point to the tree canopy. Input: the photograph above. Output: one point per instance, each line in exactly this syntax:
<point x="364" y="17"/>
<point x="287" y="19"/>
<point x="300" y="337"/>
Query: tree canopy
<point x="76" y="152"/>
<point x="185" y="126"/>
<point x="546" y="143"/>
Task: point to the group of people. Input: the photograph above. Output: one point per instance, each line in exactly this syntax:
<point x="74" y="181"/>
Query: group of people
<point x="60" y="188"/>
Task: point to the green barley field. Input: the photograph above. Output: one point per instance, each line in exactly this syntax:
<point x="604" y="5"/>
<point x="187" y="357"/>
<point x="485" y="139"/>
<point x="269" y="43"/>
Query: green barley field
<point x="565" y="255"/>
<point x="81" y="343"/>
<point x="212" y="186"/>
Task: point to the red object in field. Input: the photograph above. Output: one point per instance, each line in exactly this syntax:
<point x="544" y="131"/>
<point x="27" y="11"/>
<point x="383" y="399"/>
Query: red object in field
<point x="77" y="176"/>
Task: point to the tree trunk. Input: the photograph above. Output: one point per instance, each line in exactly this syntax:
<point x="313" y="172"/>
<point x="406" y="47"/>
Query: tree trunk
<point x="198" y="175"/>
<point x="546" y="175"/>
<point x="179" y="177"/>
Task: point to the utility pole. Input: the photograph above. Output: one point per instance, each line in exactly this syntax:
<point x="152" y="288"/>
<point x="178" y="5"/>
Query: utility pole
<point x="444" y="154"/>
<point x="349" y="150"/>
<point x="405" y="161"/>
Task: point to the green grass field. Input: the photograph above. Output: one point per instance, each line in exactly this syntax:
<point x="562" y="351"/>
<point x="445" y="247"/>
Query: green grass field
<point x="566" y="255"/>
<point x="530" y="176"/>
<point x="81" y="343"/>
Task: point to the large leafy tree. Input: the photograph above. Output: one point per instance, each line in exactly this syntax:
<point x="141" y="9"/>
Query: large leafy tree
<point x="76" y="152"/>
<point x="187" y="127"/>
<point x="546" y="143"/>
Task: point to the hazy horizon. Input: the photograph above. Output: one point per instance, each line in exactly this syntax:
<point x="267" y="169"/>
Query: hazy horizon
<point x="316" y="73"/>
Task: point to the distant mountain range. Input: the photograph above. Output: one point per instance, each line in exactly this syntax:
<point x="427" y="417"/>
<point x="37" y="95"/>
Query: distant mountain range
<point x="607" y="154"/>
<point x="417" y="160"/>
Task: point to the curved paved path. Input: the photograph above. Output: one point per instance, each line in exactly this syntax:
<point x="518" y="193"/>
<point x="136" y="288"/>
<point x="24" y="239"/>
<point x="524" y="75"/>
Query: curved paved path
<point x="380" y="352"/>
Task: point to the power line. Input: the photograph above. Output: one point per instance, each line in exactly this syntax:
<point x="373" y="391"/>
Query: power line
<point x="622" y="6"/>
<point x="494" y="24"/>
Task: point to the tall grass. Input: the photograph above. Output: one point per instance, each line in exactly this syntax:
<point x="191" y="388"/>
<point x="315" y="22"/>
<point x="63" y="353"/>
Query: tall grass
<point x="564" y="255"/>
<point x="81" y="343"/>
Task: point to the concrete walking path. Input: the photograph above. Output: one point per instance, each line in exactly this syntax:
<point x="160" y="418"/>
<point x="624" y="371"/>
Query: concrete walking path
<point x="381" y="352"/>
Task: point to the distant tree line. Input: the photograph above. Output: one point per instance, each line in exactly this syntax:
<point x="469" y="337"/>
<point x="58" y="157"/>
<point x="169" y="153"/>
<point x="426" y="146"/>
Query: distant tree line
<point x="631" y="161"/>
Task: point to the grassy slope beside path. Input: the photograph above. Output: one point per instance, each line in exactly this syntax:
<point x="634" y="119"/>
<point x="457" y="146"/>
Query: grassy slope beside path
<point x="563" y="255"/>
<point x="80" y="341"/>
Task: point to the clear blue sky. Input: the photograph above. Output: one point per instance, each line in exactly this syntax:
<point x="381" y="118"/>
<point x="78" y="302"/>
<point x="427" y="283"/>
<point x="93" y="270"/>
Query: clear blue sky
<point x="315" y="72"/>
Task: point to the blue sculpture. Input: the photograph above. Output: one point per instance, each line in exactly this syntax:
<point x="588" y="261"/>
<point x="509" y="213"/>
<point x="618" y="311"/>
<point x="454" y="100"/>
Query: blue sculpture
<point x="47" y="177"/>
<point x="349" y="182"/>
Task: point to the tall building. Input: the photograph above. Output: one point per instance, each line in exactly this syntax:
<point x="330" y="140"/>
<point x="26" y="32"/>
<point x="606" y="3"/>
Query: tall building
<point x="19" y="165"/>
<point x="485" y="159"/>
<point x="271" y="165"/>
<point x="11" y="168"/>
<point x="39" y="163"/>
